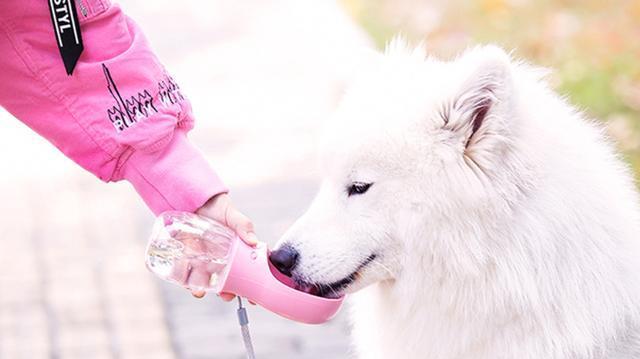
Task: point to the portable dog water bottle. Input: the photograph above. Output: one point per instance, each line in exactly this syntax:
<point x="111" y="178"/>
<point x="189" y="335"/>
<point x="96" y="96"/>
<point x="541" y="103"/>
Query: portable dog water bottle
<point x="202" y="254"/>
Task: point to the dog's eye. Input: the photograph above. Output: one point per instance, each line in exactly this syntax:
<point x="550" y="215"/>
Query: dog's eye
<point x="358" y="188"/>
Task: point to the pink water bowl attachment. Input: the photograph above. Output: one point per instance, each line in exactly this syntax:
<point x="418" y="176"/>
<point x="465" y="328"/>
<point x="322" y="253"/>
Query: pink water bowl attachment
<point x="199" y="253"/>
<point x="251" y="275"/>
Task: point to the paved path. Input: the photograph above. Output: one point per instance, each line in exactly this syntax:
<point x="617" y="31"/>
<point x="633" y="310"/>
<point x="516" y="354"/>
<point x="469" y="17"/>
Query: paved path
<point x="72" y="284"/>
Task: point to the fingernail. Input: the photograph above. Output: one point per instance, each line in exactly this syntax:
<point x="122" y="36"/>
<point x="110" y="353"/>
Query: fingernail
<point x="198" y="294"/>
<point x="227" y="297"/>
<point x="251" y="238"/>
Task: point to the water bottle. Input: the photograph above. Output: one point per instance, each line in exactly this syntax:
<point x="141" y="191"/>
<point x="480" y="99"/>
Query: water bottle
<point x="189" y="250"/>
<point x="199" y="253"/>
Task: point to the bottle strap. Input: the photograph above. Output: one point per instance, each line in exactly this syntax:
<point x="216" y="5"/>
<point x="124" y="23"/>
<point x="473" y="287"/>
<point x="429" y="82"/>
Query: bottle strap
<point x="243" y="319"/>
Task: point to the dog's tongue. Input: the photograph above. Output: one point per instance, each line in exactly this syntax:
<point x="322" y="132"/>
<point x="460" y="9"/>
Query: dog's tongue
<point x="303" y="287"/>
<point x="308" y="288"/>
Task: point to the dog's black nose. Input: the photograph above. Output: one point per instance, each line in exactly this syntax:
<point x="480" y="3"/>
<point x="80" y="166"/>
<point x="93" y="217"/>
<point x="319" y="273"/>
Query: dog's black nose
<point x="285" y="259"/>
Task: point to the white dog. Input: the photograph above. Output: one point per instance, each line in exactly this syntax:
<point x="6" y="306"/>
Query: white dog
<point x="487" y="218"/>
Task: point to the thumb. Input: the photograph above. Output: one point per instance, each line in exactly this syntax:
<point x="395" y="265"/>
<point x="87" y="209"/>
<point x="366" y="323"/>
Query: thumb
<point x="242" y="225"/>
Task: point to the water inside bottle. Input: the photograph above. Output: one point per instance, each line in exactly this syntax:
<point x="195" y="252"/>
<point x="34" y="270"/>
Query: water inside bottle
<point x="189" y="250"/>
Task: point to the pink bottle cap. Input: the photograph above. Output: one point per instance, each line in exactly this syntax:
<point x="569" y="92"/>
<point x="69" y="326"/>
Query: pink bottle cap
<point x="250" y="274"/>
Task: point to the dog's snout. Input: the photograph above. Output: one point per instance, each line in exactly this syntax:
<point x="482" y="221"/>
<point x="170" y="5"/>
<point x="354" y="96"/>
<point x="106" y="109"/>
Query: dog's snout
<point x="284" y="259"/>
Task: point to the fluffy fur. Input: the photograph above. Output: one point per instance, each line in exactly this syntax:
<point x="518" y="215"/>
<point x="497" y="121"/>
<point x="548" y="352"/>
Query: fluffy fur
<point x="502" y="222"/>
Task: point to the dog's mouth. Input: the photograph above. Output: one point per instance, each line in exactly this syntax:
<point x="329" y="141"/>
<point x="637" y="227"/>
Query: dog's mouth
<point x="334" y="289"/>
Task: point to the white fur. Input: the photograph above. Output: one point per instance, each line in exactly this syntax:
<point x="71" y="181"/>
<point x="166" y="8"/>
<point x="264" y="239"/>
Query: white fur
<point x="521" y="241"/>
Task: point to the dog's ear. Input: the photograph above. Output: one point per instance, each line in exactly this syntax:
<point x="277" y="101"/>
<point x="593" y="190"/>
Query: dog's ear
<point x="480" y="109"/>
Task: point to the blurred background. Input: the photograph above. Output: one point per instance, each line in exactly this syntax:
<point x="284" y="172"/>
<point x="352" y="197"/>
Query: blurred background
<point x="262" y="75"/>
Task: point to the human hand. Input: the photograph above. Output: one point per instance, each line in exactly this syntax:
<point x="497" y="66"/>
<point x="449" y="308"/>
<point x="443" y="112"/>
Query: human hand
<point x="222" y="210"/>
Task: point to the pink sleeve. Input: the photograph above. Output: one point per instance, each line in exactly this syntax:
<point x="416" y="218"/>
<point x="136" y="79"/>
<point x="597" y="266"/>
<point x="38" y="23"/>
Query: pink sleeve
<point x="120" y="115"/>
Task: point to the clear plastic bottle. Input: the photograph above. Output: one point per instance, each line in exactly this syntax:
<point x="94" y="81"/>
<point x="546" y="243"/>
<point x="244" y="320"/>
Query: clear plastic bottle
<point x="189" y="250"/>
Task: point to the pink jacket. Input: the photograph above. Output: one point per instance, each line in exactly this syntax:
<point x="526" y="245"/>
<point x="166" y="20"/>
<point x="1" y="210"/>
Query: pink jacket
<point x="120" y="115"/>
